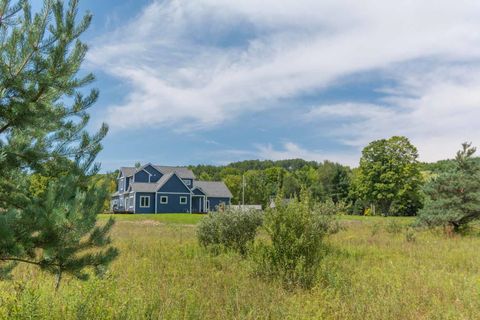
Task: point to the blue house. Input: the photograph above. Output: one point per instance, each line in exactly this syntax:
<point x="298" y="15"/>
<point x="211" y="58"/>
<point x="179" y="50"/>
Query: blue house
<point x="161" y="189"/>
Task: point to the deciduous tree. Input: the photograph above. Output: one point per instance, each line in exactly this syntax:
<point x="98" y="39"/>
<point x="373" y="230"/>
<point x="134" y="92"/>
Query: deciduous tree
<point x="389" y="176"/>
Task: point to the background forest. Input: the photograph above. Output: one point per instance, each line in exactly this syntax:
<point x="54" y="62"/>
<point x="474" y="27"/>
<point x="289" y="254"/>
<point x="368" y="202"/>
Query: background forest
<point x="328" y="180"/>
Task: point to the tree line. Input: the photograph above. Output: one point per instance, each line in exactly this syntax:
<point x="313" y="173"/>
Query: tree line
<point x="389" y="180"/>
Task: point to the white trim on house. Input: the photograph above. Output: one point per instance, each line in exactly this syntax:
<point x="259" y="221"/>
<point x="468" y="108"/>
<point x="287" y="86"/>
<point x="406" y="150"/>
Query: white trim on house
<point x="121" y="184"/>
<point x="147" y="202"/>
<point x="134" y="202"/>
<point x="131" y="202"/>
<point x="163" y="197"/>
<point x="162" y="192"/>
<point x="174" y="173"/>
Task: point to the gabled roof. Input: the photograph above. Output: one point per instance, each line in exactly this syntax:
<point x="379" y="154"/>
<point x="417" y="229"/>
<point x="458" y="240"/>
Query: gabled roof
<point x="128" y="171"/>
<point x="213" y="188"/>
<point x="150" y="186"/>
<point x="182" y="172"/>
<point x="163" y="180"/>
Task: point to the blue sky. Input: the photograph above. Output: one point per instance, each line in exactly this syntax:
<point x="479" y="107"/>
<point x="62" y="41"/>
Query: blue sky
<point x="210" y="81"/>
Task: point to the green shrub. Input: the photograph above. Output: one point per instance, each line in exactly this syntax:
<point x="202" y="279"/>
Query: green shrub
<point x="394" y="226"/>
<point x="376" y="227"/>
<point x="296" y="233"/>
<point x="410" y="235"/>
<point x="231" y="229"/>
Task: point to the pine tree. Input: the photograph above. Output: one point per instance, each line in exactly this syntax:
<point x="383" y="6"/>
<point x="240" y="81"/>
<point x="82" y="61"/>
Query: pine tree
<point x="453" y="198"/>
<point x="43" y="116"/>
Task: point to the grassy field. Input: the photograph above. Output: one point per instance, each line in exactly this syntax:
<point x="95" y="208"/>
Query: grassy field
<point x="371" y="272"/>
<point x="179" y="218"/>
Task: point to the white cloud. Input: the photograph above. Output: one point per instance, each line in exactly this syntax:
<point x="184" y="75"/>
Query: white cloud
<point x="292" y="150"/>
<point x="188" y="67"/>
<point x="437" y="110"/>
<point x="179" y="74"/>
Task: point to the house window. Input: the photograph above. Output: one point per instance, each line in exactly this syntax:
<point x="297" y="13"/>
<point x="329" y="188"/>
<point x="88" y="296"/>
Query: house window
<point x="183" y="200"/>
<point x="144" y="201"/>
<point x="208" y="205"/>
<point x="187" y="182"/>
<point x="164" y="199"/>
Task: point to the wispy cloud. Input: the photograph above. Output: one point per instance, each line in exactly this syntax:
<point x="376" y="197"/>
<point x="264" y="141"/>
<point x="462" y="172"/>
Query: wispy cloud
<point x="181" y="70"/>
<point x="437" y="109"/>
<point x="291" y="150"/>
<point x="195" y="64"/>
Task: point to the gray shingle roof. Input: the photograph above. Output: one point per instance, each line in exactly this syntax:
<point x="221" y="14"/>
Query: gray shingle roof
<point x="182" y="172"/>
<point x="163" y="180"/>
<point x="128" y="171"/>
<point x="144" y="187"/>
<point x="148" y="186"/>
<point x="213" y="188"/>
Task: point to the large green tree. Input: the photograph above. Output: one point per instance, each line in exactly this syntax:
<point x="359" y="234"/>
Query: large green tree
<point x="43" y="116"/>
<point x="389" y="176"/>
<point x="453" y="197"/>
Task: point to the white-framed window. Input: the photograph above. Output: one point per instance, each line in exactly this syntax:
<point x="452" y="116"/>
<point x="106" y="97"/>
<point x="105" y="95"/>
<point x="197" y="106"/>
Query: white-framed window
<point x="188" y="182"/>
<point x="144" y="201"/>
<point x="163" y="199"/>
<point x="183" y="200"/>
<point x="208" y="205"/>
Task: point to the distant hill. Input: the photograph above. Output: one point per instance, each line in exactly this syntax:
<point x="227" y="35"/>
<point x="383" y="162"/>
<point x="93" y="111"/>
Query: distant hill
<point x="441" y="165"/>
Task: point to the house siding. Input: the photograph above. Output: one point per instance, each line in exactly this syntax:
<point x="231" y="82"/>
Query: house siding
<point x="174" y="184"/>
<point x="151" y="208"/>
<point x="127" y="182"/>
<point x="173" y="205"/>
<point x="141" y="176"/>
<point x="215" y="202"/>
<point x="155" y="174"/>
<point x="188" y="182"/>
<point x="198" y="192"/>
<point x="121" y="184"/>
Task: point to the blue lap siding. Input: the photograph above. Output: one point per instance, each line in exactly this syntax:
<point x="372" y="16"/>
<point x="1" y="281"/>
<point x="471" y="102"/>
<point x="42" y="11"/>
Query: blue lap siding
<point x="173" y="205"/>
<point x="174" y="184"/>
<point x="151" y="208"/>
<point x="141" y="176"/>
<point x="155" y="174"/>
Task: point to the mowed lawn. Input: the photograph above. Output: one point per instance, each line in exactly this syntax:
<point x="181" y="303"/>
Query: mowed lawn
<point x="370" y="272"/>
<point x="179" y="218"/>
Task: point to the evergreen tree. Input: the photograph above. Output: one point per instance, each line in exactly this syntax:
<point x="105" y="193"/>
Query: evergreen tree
<point x="43" y="116"/>
<point x="453" y="197"/>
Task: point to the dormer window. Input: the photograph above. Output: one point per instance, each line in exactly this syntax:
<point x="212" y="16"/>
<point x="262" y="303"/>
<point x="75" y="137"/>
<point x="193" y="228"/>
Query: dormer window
<point x="188" y="182"/>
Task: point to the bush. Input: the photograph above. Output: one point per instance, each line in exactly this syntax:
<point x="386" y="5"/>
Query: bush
<point x="394" y="226"/>
<point x="410" y="235"/>
<point x="230" y="229"/>
<point x="296" y="231"/>
<point x="375" y="228"/>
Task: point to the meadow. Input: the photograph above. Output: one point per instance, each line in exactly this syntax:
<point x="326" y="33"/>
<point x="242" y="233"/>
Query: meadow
<point x="375" y="269"/>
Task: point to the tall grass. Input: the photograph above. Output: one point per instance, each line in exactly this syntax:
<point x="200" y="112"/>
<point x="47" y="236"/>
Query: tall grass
<point x="162" y="273"/>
